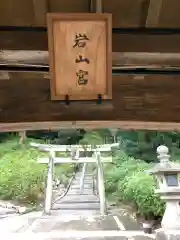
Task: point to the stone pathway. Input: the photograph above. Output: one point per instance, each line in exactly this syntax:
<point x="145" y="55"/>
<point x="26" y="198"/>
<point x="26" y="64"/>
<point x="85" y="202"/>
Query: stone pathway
<point x="77" y="235"/>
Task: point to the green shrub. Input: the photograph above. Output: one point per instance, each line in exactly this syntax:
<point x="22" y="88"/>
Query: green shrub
<point x="112" y="177"/>
<point x="128" y="182"/>
<point x="22" y="178"/>
<point x="139" y="189"/>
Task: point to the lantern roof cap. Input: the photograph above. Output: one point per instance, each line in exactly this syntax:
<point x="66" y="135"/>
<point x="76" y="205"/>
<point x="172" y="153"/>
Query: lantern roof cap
<point x="165" y="165"/>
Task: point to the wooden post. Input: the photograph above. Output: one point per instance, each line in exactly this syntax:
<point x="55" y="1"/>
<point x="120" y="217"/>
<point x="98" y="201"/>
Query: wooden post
<point x="99" y="6"/>
<point x="154" y="11"/>
<point x="96" y="6"/>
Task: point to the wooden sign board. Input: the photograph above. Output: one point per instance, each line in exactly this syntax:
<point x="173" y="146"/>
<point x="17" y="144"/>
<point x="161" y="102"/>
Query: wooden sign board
<point x="80" y="56"/>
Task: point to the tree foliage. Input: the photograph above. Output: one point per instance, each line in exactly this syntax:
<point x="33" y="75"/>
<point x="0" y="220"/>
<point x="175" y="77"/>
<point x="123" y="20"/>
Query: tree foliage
<point x="143" y="144"/>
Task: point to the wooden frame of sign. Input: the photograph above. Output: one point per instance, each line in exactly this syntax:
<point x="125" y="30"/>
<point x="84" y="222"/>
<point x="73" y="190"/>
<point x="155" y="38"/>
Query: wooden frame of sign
<point x="80" y="50"/>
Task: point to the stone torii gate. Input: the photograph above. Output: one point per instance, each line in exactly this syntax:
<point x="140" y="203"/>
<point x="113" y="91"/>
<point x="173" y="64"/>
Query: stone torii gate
<point x="75" y="158"/>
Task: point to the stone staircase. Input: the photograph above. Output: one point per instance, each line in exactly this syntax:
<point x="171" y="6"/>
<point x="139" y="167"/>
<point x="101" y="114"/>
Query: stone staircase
<point x="76" y="201"/>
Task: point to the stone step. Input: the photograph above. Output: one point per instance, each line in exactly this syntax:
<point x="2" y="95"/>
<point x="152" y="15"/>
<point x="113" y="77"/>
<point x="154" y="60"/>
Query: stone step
<point x="80" y="213"/>
<point x="79" y="198"/>
<point x="79" y="180"/>
<point x="85" y="177"/>
<point x="85" y="181"/>
<point x="85" y="184"/>
<point x="77" y="193"/>
<point x="80" y="201"/>
<point x="76" y="206"/>
<point x="78" y="188"/>
<point x="78" y="185"/>
<point x="75" y="187"/>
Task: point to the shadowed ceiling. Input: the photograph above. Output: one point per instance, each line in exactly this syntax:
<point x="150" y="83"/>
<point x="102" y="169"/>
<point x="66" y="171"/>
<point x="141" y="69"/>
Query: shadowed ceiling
<point x="126" y="13"/>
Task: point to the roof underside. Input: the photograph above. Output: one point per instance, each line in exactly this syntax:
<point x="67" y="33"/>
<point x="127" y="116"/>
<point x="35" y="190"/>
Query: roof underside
<point x="138" y="25"/>
<point x="126" y="13"/>
<point x="146" y="35"/>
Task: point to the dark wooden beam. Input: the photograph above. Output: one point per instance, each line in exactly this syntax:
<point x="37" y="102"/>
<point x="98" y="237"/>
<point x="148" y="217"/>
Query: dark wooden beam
<point x="154" y="11"/>
<point x="40" y="8"/>
<point x="121" y="42"/>
<point x="23" y="40"/>
<point x="149" y="98"/>
<point x="166" y="43"/>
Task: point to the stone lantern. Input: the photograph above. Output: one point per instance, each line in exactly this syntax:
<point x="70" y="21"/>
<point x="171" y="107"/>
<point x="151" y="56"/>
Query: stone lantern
<point x="169" y="188"/>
